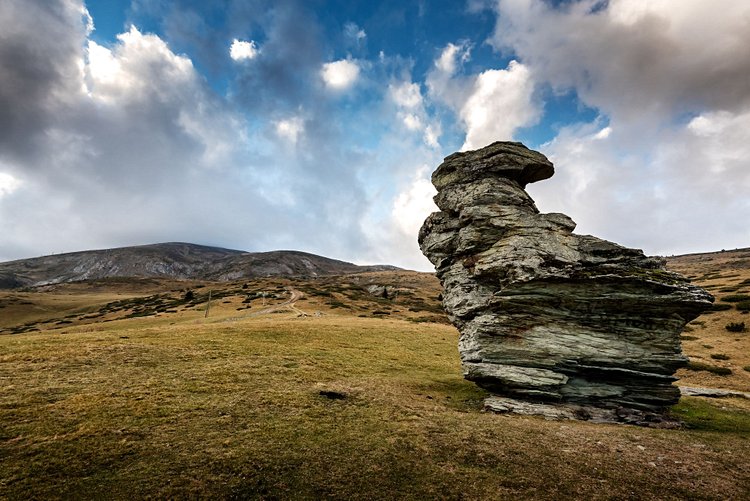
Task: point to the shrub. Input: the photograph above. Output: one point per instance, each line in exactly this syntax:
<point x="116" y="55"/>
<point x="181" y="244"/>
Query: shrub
<point x="700" y="366"/>
<point x="743" y="306"/>
<point x="720" y="307"/>
<point x="735" y="298"/>
<point x="719" y="356"/>
<point x="735" y="326"/>
<point x="189" y="296"/>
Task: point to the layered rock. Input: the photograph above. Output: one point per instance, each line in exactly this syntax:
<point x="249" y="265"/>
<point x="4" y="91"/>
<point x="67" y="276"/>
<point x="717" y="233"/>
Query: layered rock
<point x="545" y="314"/>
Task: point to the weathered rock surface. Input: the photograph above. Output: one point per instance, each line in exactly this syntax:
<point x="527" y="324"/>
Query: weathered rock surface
<point x="545" y="314"/>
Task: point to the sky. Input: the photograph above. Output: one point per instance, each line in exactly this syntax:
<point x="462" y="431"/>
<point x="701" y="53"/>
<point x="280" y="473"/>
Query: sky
<point x="315" y="125"/>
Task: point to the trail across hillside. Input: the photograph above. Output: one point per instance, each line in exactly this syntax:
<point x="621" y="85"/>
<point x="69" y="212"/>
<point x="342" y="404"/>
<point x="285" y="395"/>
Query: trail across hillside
<point x="288" y="305"/>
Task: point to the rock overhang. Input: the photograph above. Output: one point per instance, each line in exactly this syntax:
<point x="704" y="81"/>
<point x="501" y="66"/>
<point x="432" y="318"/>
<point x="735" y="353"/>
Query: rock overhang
<point x="507" y="159"/>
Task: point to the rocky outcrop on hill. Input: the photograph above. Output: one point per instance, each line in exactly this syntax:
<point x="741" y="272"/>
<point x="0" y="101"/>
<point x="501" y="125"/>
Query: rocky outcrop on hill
<point x="545" y="314"/>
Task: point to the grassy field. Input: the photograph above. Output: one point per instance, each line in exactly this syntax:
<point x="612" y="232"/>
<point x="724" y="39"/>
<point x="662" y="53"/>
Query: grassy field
<point x="349" y="396"/>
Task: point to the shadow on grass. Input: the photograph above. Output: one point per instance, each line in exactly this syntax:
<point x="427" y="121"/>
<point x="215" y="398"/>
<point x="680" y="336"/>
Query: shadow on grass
<point x="458" y="394"/>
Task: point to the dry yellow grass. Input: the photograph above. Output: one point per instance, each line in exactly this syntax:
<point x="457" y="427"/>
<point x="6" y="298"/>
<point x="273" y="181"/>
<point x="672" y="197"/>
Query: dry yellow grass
<point x="723" y="274"/>
<point x="175" y="405"/>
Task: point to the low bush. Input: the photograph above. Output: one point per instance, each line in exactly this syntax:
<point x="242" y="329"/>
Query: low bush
<point x="735" y="326"/>
<point x="735" y="298"/>
<point x="743" y="306"/>
<point x="720" y="307"/>
<point x="719" y="356"/>
<point x="700" y="366"/>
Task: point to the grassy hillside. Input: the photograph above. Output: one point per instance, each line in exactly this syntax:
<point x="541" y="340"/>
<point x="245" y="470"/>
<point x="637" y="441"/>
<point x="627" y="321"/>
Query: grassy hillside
<point x="720" y="358"/>
<point x="327" y="388"/>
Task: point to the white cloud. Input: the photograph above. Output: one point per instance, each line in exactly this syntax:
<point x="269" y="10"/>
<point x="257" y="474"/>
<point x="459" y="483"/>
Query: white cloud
<point x="644" y="173"/>
<point x="685" y="192"/>
<point x="8" y="184"/>
<point x="411" y="111"/>
<point x="432" y="135"/>
<point x="412" y="122"/>
<point x="499" y="103"/>
<point x="242" y="50"/>
<point x="492" y="105"/>
<point x="405" y="94"/>
<point x="290" y="129"/>
<point x="340" y="74"/>
<point x="139" y="67"/>
<point x="638" y="60"/>
<point x="412" y="206"/>
<point x="450" y="57"/>
<point x="354" y="33"/>
<point x="125" y="143"/>
<point x="442" y="84"/>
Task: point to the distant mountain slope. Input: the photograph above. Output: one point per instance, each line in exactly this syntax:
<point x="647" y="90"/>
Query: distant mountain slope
<point x="174" y="260"/>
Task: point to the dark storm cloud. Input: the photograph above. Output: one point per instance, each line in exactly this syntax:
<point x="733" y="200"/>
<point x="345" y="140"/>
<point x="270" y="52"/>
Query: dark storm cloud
<point x="285" y="74"/>
<point x="36" y="72"/>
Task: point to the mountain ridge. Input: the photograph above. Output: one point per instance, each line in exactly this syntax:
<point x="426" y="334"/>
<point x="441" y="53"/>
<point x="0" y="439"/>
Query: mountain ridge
<point x="179" y="260"/>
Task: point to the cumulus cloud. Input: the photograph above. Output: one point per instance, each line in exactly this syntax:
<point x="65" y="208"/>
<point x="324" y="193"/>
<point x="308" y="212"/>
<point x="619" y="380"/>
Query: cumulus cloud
<point x="663" y="164"/>
<point x="340" y="74"/>
<point x="636" y="58"/>
<point x="139" y="68"/>
<point x="241" y="50"/>
<point x="491" y="105"/>
<point x="500" y="102"/>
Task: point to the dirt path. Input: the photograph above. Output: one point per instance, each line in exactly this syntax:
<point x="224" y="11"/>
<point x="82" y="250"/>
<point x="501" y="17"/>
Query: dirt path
<point x="288" y="305"/>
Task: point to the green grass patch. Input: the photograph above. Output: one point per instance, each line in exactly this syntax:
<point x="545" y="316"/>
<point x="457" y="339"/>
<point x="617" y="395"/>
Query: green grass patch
<point x="698" y="414"/>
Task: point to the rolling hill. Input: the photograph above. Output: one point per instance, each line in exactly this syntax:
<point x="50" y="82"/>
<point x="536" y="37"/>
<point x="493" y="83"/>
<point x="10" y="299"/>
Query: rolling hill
<point x="171" y="260"/>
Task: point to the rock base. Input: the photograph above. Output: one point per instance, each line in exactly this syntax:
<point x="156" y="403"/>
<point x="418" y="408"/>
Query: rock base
<point x="573" y="412"/>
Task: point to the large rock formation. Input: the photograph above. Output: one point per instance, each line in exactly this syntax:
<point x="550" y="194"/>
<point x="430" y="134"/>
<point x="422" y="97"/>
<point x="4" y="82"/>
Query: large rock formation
<point x="545" y="314"/>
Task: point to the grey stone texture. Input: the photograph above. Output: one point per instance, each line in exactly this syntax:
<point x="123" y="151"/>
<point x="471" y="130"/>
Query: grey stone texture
<point x="544" y="314"/>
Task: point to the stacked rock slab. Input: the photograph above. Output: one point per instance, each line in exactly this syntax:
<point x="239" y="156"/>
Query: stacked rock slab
<point x="545" y="314"/>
